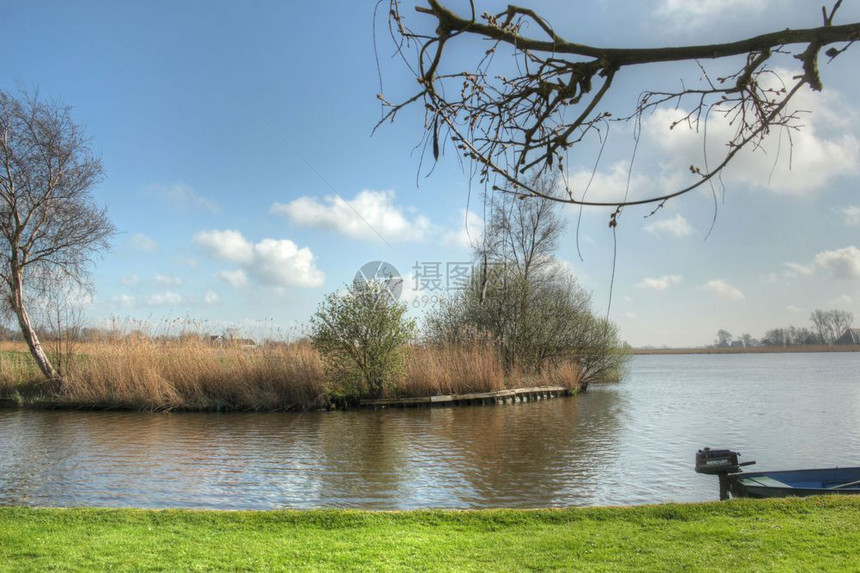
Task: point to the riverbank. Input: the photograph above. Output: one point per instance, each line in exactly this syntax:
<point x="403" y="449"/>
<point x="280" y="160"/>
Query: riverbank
<point x="189" y="374"/>
<point x="749" y="350"/>
<point x="785" y="534"/>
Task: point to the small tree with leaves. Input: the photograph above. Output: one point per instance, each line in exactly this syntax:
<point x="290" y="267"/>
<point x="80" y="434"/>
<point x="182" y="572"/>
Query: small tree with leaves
<point x="363" y="336"/>
<point x="50" y="227"/>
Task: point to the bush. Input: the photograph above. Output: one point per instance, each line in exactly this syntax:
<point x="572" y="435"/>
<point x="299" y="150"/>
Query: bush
<point x="363" y="337"/>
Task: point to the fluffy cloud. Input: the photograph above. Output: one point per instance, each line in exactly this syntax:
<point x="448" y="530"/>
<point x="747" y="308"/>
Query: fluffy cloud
<point x="614" y="184"/>
<point x="852" y="215"/>
<point x="164" y="299"/>
<point x="824" y="148"/>
<point x="842" y="301"/>
<point x="143" y="243"/>
<point x="226" y="245"/>
<point x="701" y="12"/>
<point x="125" y="300"/>
<point x="211" y="297"/>
<point x="470" y="230"/>
<point x="840" y="263"/>
<point x="677" y="226"/>
<point x="370" y="215"/>
<point x="235" y="278"/>
<point x="660" y="283"/>
<point x="181" y="197"/>
<point x="796" y="269"/>
<point x="722" y="289"/>
<point x="281" y="263"/>
<point x="271" y="262"/>
<point x="168" y="280"/>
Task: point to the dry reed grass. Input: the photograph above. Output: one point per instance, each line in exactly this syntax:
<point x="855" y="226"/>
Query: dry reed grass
<point x="434" y="371"/>
<point x="187" y="373"/>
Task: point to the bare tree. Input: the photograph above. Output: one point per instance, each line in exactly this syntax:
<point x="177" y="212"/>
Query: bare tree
<point x="50" y="226"/>
<point x="724" y="338"/>
<point x="525" y="299"/>
<point x="831" y="324"/>
<point x="510" y="124"/>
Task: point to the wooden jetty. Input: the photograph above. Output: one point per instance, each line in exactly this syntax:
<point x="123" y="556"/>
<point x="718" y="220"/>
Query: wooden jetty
<point x="479" y="398"/>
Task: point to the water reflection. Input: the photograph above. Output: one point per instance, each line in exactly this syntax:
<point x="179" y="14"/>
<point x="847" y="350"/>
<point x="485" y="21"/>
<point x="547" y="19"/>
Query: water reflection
<point x="520" y="455"/>
<point x="622" y="444"/>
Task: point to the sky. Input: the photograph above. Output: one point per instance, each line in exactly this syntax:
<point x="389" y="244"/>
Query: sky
<point x="239" y="151"/>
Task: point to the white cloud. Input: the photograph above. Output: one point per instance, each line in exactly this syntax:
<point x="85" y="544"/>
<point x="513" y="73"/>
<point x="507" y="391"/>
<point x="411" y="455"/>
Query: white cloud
<point x="143" y="243"/>
<point x="852" y="215"/>
<point x="369" y="215"/>
<point x="842" y="301"/>
<point x="272" y="262"/>
<point x="793" y="309"/>
<point x="661" y="283"/>
<point x="822" y="149"/>
<point x="236" y="278"/>
<point x="469" y="232"/>
<point x="182" y="197"/>
<point x="211" y="297"/>
<point x="611" y="185"/>
<point x="188" y="262"/>
<point x="168" y="280"/>
<point x="722" y="289"/>
<point x="677" y="226"/>
<point x="697" y="13"/>
<point x="282" y="263"/>
<point x="796" y="269"/>
<point x="164" y="299"/>
<point x="124" y="300"/>
<point x="129" y="279"/>
<point x="841" y="263"/>
<point x="226" y="245"/>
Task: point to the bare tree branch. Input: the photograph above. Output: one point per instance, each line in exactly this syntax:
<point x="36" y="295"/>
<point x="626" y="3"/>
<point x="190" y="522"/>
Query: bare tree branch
<point x="511" y="125"/>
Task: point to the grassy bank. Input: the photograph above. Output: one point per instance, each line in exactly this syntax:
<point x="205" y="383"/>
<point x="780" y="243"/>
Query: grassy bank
<point x="190" y="374"/>
<point x="789" y="534"/>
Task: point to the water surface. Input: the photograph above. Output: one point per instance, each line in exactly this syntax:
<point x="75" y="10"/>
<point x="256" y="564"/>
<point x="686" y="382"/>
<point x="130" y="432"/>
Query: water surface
<point x="629" y="443"/>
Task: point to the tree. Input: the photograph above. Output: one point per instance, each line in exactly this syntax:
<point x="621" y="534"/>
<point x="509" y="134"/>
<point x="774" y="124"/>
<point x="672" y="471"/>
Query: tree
<point x="525" y="300"/>
<point x="831" y="324"/>
<point x="529" y="119"/>
<point x="363" y="336"/>
<point x="724" y="337"/>
<point x="50" y="226"/>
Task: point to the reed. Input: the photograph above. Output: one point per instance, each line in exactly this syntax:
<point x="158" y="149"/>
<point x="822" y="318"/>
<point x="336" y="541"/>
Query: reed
<point x="189" y="373"/>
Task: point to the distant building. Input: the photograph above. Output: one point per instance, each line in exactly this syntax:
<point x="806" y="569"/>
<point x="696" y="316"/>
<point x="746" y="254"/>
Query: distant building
<point x="219" y="340"/>
<point x="737" y="344"/>
<point x="850" y="336"/>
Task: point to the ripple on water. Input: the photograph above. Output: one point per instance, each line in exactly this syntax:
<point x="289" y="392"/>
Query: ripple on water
<point x="628" y="443"/>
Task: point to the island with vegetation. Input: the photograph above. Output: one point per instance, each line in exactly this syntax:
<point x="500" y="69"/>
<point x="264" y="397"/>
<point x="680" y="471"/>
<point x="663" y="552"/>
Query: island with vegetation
<point x="521" y="321"/>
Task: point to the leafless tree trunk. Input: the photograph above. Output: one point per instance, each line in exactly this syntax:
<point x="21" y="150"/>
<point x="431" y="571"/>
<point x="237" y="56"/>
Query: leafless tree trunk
<point x="49" y="226"/>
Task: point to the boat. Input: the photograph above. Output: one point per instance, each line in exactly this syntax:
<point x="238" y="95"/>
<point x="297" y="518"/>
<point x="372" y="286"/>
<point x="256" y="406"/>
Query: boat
<point x="786" y="483"/>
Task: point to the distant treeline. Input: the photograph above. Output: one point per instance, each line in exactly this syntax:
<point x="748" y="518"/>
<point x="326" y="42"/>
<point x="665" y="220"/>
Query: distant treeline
<point x="827" y="327"/>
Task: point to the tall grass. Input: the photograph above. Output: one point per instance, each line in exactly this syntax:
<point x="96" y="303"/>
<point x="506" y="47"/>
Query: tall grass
<point x="434" y="371"/>
<point x="188" y="373"/>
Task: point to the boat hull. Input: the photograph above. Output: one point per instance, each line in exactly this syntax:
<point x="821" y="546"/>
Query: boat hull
<point x="795" y="483"/>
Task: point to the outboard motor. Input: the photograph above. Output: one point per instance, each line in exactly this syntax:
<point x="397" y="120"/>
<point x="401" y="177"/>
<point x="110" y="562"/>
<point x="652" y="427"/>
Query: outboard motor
<point x="720" y="463"/>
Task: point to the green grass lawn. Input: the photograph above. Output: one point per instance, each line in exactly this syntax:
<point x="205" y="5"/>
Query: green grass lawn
<point x="811" y="534"/>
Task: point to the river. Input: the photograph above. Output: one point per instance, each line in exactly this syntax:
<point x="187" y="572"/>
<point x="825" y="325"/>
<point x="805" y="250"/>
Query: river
<point x="620" y="444"/>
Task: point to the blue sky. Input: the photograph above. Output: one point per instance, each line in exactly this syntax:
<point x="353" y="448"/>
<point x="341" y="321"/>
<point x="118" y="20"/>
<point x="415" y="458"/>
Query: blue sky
<point x="227" y="130"/>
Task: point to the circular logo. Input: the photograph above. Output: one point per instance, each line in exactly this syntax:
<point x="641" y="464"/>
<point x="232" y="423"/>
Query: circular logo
<point x="384" y="273"/>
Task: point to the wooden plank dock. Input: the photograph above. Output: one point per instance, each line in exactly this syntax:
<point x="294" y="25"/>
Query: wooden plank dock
<point x="479" y="398"/>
